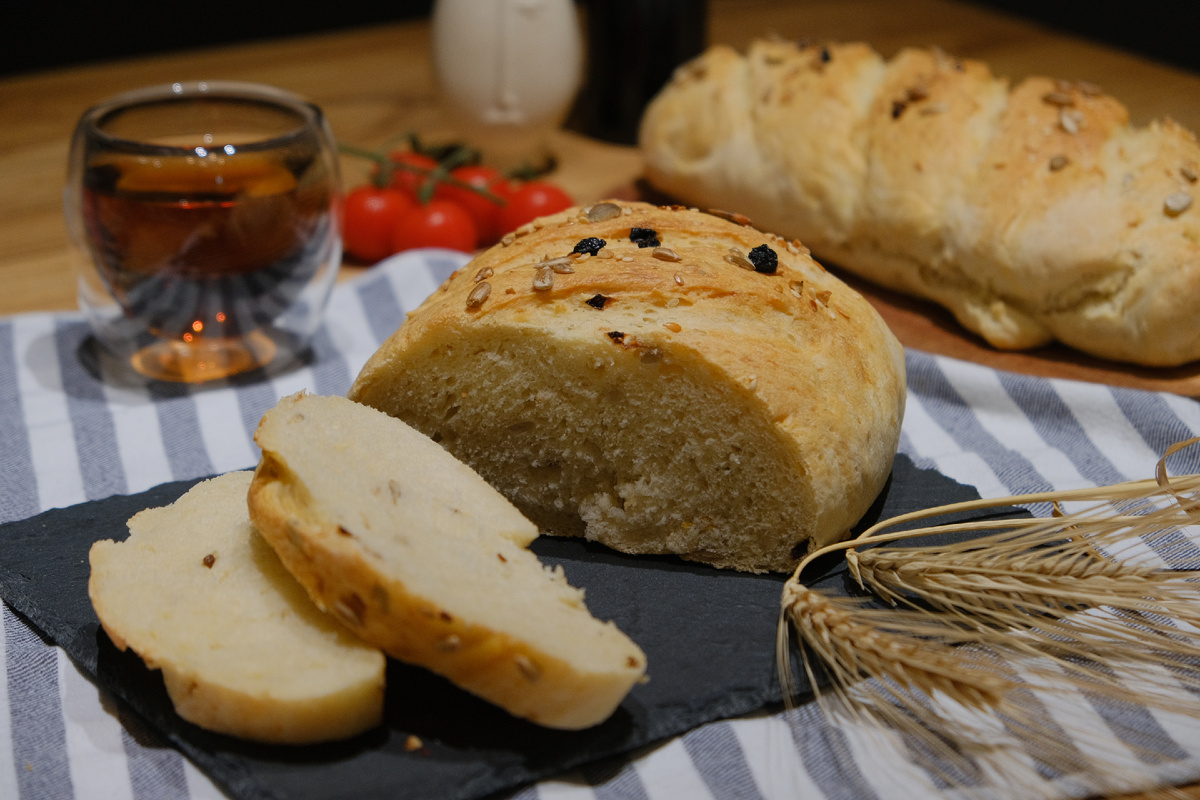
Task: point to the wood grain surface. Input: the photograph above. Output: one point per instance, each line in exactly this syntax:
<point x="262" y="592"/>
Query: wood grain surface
<point x="378" y="82"/>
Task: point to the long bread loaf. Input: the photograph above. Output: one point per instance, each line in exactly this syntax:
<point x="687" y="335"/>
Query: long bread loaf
<point x="1034" y="213"/>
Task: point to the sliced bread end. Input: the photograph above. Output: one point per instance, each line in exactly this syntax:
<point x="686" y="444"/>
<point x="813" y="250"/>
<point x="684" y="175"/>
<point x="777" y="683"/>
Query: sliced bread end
<point x="197" y="594"/>
<point x="418" y="555"/>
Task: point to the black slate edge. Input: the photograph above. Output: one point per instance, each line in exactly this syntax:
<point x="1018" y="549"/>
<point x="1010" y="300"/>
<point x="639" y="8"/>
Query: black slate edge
<point x="708" y="634"/>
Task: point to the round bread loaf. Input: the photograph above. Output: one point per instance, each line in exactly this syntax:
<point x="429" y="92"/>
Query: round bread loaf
<point x="656" y="379"/>
<point x="199" y="595"/>
<point x="416" y="554"/>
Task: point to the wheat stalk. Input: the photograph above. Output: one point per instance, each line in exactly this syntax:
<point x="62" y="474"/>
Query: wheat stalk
<point x="1142" y="610"/>
<point x="854" y="650"/>
<point x="949" y="579"/>
<point x="1051" y="596"/>
<point x="901" y="672"/>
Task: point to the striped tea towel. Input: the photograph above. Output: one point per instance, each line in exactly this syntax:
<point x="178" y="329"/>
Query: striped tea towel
<point x="66" y="437"/>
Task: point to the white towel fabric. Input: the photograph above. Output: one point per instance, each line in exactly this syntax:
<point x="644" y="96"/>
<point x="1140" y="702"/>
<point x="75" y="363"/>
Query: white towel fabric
<point x="66" y="438"/>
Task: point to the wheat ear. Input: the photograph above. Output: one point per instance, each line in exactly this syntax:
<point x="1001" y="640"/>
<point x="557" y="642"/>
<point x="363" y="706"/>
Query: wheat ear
<point x="964" y="707"/>
<point x="1143" y="613"/>
<point x="1050" y="596"/>
<point x="852" y="651"/>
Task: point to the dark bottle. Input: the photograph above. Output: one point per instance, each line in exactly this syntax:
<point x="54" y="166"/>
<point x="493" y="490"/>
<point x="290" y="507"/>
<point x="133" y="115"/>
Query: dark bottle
<point x="633" y="47"/>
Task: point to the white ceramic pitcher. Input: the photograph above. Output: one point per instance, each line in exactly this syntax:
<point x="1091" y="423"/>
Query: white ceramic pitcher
<point x="508" y="71"/>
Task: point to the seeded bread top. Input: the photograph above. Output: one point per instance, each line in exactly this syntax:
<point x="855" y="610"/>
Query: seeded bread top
<point x="704" y="291"/>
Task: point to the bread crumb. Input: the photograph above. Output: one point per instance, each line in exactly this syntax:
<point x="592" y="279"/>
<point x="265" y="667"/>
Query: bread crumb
<point x="527" y="667"/>
<point x="1177" y="203"/>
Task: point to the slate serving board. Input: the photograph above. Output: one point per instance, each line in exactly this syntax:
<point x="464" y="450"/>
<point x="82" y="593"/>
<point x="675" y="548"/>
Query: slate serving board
<point x="709" y="636"/>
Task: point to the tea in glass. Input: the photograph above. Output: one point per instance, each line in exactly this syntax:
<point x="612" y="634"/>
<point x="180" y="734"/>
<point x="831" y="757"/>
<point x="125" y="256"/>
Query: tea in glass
<point x="208" y="214"/>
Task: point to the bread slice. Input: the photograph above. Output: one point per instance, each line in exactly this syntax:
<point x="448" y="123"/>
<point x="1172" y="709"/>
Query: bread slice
<point x="200" y="596"/>
<point x="656" y="399"/>
<point x="419" y="556"/>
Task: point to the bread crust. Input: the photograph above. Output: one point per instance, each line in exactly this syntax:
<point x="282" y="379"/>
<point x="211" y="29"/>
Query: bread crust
<point x="1033" y="213"/>
<point x="804" y="359"/>
<point x="344" y="553"/>
<point x="241" y="649"/>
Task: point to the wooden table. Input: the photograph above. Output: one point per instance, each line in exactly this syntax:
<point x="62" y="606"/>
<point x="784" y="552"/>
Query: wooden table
<point x="375" y="83"/>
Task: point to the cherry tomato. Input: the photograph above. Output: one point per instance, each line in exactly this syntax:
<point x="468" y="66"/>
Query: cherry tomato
<point x="482" y="210"/>
<point x="407" y="180"/>
<point x="440" y="223"/>
<point x="370" y="217"/>
<point x="531" y="200"/>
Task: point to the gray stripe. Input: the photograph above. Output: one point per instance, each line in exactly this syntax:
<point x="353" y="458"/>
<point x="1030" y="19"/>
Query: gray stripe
<point x="91" y="419"/>
<point x="948" y="409"/>
<point x="614" y="779"/>
<point x="254" y="401"/>
<point x="1033" y="729"/>
<point x="331" y="373"/>
<point x="441" y="267"/>
<point x="382" y="308"/>
<point x="39" y="735"/>
<point x="155" y="770"/>
<point x="1134" y="725"/>
<point x="1058" y="427"/>
<point x="1159" y="427"/>
<point x="331" y="376"/>
<point x="1175" y="547"/>
<point x="179" y="423"/>
<point x="826" y="756"/>
<point x="929" y="752"/>
<point x="18" y="486"/>
<point x="385" y="311"/>
<point x="1036" y="724"/>
<point x="718" y="757"/>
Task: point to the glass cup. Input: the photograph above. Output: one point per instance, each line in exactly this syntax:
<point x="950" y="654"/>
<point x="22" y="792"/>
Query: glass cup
<point x="205" y="226"/>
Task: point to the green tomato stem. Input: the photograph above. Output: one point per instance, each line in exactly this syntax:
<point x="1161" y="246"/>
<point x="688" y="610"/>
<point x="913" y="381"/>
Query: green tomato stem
<point x="440" y="174"/>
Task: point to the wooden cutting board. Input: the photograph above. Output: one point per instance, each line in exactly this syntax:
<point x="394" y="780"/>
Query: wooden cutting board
<point x="925" y="326"/>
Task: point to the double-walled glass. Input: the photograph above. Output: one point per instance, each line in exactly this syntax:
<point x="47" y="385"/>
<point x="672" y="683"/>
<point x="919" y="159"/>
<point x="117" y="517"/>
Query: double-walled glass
<point x="205" y="220"/>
